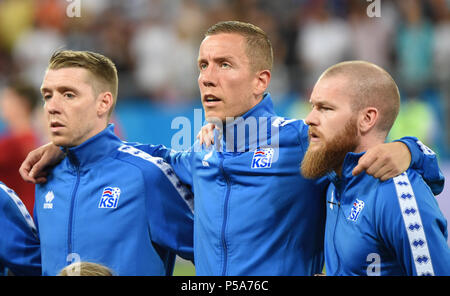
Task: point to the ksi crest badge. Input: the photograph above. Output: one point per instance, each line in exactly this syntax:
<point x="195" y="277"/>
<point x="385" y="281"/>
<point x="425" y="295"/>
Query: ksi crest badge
<point x="110" y="198"/>
<point x="262" y="158"/>
<point x="357" y="207"/>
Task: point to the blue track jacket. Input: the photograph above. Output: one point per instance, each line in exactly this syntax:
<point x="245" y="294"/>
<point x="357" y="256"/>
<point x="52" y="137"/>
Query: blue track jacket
<point x="19" y="243"/>
<point x="255" y="214"/>
<point x="383" y="228"/>
<point x="110" y="203"/>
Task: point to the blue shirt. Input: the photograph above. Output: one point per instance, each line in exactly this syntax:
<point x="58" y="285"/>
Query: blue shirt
<point x="19" y="244"/>
<point x="255" y="214"/>
<point x="113" y="204"/>
<point x="383" y="228"/>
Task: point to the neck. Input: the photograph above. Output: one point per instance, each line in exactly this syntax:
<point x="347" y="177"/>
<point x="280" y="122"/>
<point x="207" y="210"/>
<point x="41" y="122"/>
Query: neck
<point x="369" y="141"/>
<point x="366" y="142"/>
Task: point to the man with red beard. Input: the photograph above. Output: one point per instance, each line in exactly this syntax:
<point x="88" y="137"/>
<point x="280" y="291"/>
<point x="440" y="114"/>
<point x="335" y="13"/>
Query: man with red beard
<point x="254" y="212"/>
<point x="373" y="227"/>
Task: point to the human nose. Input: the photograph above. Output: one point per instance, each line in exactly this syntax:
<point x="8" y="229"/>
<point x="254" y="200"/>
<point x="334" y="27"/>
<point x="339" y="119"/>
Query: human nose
<point x="207" y="77"/>
<point x="52" y="105"/>
<point x="311" y="118"/>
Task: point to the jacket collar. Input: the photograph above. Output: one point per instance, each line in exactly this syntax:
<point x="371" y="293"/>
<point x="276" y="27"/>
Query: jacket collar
<point x="94" y="149"/>
<point x="260" y="116"/>
<point x="262" y="109"/>
<point x="350" y="161"/>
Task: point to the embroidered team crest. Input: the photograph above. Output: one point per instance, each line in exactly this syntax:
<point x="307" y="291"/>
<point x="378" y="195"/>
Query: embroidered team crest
<point x="110" y="198"/>
<point x="357" y="207"/>
<point x="262" y="158"/>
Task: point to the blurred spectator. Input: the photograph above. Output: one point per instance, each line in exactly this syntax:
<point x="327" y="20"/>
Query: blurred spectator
<point x="166" y="69"/>
<point x="33" y="50"/>
<point x="16" y="16"/>
<point x="414" y="48"/>
<point x="323" y="40"/>
<point x="50" y="14"/>
<point x="372" y="36"/>
<point x="154" y="44"/>
<point x="114" y="33"/>
<point x="17" y="102"/>
<point x="441" y="63"/>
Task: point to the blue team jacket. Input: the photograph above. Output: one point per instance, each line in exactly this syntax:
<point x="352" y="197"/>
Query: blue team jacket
<point x="19" y="243"/>
<point x="255" y="214"/>
<point x="110" y="203"/>
<point x="383" y="228"/>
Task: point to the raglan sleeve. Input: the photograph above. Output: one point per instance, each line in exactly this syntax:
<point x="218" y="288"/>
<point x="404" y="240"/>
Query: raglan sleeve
<point x="412" y="226"/>
<point x="181" y="161"/>
<point x="424" y="161"/>
<point x="170" y="209"/>
<point x="19" y="245"/>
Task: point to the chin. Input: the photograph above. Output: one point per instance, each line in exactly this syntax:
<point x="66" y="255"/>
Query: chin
<point x="58" y="141"/>
<point x="213" y="118"/>
<point x="315" y="146"/>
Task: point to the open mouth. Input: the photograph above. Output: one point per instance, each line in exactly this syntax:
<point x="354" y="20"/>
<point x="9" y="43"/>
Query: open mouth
<point x="314" y="136"/>
<point x="210" y="99"/>
<point x="55" y="125"/>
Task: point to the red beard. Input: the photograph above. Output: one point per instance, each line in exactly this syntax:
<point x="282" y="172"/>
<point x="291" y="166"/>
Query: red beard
<point x="316" y="163"/>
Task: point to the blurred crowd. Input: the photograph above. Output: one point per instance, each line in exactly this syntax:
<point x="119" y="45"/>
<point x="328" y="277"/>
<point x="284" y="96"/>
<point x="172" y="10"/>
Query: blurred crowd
<point x="154" y="44"/>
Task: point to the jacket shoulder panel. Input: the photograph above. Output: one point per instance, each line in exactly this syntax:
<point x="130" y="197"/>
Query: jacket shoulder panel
<point x="156" y="166"/>
<point x="15" y="201"/>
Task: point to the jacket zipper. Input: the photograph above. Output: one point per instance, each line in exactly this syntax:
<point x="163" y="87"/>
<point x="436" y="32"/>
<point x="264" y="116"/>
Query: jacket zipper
<point x="72" y="203"/>
<point x="225" y="214"/>
<point x="338" y="201"/>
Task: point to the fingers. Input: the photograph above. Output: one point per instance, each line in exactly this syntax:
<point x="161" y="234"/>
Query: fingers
<point x="363" y="164"/>
<point x="24" y="171"/>
<point x="384" y="161"/>
<point x="199" y="137"/>
<point x="206" y="135"/>
<point x="26" y="167"/>
<point x="41" y="178"/>
<point x="387" y="175"/>
<point x="32" y="168"/>
<point x="372" y="164"/>
<point x="37" y="171"/>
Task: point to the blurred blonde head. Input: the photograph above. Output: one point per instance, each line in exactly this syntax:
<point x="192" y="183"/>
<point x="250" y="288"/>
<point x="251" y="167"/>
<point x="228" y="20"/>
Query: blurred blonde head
<point x="85" y="269"/>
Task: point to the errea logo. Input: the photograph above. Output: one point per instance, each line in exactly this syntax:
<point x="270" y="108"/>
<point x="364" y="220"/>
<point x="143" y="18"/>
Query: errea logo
<point x="48" y="204"/>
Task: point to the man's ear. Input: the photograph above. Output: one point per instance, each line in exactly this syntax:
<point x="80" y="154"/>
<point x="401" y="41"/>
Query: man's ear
<point x="368" y="117"/>
<point x="105" y="102"/>
<point x="262" y="82"/>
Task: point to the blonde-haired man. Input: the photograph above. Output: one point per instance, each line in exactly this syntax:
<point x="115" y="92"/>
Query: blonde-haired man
<point x="106" y="202"/>
<point x="255" y="214"/>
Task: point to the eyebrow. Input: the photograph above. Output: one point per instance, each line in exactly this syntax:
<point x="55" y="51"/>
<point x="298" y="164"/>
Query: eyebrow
<point x="60" y="89"/>
<point x="218" y="59"/>
<point x="321" y="102"/>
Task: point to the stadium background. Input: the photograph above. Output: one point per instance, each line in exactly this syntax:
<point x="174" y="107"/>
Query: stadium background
<point x="154" y="44"/>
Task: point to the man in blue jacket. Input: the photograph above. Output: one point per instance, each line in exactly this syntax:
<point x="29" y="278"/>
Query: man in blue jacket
<point x="254" y="212"/>
<point x="19" y="244"/>
<point x="106" y="202"/>
<point x="372" y="227"/>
